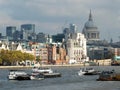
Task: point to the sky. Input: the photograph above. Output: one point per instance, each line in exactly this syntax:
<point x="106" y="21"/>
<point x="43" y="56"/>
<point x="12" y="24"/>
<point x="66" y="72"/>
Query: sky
<point x="51" y="16"/>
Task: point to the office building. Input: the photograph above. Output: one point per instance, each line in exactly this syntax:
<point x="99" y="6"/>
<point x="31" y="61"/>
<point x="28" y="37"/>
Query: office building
<point x="10" y="30"/>
<point x="28" y="32"/>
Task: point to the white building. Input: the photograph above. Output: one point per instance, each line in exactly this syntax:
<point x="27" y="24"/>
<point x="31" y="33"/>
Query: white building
<point x="76" y="47"/>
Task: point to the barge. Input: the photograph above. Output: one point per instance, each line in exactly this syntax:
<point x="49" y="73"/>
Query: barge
<point x="109" y="76"/>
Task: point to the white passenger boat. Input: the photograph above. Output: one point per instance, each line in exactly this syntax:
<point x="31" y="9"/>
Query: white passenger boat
<point x="87" y="71"/>
<point x="45" y="72"/>
<point x="81" y="71"/>
<point x="42" y="70"/>
<point x="36" y="76"/>
<point x="18" y="75"/>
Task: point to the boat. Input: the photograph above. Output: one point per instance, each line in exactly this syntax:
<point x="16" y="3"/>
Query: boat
<point x="42" y="70"/>
<point x="87" y="71"/>
<point x="109" y="76"/>
<point x="115" y="63"/>
<point x="51" y="75"/>
<point x="18" y="75"/>
<point x="91" y="71"/>
<point x="81" y="71"/>
<point x="46" y="72"/>
<point x="36" y="76"/>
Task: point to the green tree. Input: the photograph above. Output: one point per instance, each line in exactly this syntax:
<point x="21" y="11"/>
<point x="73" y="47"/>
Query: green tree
<point x="5" y="57"/>
<point x="12" y="57"/>
<point x="0" y="60"/>
<point x="28" y="56"/>
<point x="38" y="59"/>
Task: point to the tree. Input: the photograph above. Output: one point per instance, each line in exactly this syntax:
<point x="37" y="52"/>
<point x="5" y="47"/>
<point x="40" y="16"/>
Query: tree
<point x="12" y="57"/>
<point x="5" y="57"/>
<point x="0" y="60"/>
<point x="28" y="56"/>
<point x="38" y="59"/>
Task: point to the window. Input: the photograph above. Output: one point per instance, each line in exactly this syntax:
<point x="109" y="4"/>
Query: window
<point x="93" y="35"/>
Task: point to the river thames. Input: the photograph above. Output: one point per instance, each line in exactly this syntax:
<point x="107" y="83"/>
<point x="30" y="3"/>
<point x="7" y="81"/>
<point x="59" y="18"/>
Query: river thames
<point x="69" y="81"/>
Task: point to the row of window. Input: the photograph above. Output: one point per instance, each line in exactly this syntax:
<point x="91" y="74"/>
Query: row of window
<point x="93" y="35"/>
<point x="78" y="52"/>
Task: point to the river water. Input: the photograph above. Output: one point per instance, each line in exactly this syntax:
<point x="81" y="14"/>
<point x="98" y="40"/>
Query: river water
<point x="69" y="81"/>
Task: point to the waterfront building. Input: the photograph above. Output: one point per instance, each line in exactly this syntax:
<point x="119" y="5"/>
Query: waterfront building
<point x="90" y="30"/>
<point x="57" y="54"/>
<point x="76" y="46"/>
<point x="116" y="52"/>
<point x="43" y="55"/>
<point x="61" y="57"/>
<point x="99" y="52"/>
<point x="52" y="54"/>
<point x="35" y="48"/>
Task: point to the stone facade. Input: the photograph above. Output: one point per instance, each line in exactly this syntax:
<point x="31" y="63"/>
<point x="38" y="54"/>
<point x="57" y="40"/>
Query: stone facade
<point x="76" y="46"/>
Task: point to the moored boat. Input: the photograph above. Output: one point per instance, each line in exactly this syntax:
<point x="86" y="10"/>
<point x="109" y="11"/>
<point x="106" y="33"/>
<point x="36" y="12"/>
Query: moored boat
<point x="109" y="76"/>
<point x="81" y="71"/>
<point x="87" y="71"/>
<point x="42" y="70"/>
<point x="46" y="72"/>
<point x="36" y="76"/>
<point x="51" y="75"/>
<point x="18" y="75"/>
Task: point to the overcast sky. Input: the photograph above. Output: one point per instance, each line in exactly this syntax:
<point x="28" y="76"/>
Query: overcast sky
<point x="50" y="16"/>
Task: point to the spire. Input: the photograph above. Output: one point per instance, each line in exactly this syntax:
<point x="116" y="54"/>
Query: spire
<point x="90" y="16"/>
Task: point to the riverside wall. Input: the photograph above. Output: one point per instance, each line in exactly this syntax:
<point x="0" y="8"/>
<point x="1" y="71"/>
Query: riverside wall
<point x="104" y="62"/>
<point x="15" y="67"/>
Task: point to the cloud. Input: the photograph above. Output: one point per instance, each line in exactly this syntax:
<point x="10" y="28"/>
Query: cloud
<point x="51" y="15"/>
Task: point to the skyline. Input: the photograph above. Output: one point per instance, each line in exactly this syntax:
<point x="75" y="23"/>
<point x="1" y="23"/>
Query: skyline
<point x="52" y="16"/>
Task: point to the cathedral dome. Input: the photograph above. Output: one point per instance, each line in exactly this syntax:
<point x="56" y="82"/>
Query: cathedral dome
<point x="90" y="30"/>
<point x="90" y="23"/>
